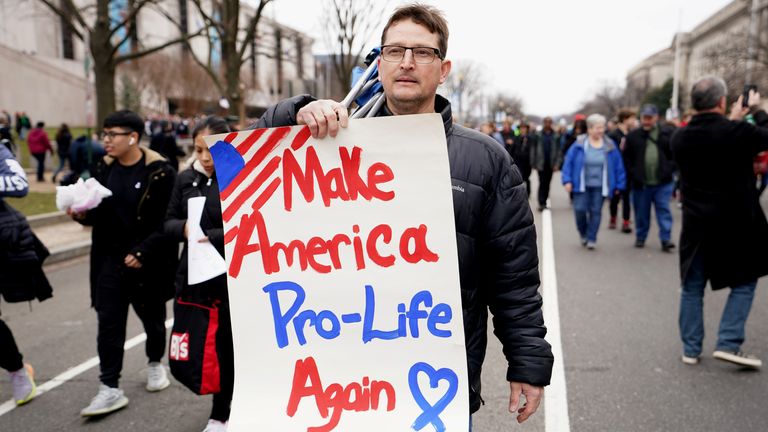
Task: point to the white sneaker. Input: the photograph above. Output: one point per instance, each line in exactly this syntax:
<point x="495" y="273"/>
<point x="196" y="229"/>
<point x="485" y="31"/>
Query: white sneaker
<point x="215" y="426"/>
<point x="157" y="378"/>
<point x="690" y="360"/>
<point x="739" y="358"/>
<point x="23" y="384"/>
<point x="107" y="400"/>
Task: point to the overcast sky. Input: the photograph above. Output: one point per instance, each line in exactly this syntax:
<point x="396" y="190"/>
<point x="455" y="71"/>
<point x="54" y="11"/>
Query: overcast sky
<point x="551" y="53"/>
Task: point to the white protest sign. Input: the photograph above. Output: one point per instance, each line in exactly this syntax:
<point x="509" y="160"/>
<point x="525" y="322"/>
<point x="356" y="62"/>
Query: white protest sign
<point x="203" y="260"/>
<point x="343" y="278"/>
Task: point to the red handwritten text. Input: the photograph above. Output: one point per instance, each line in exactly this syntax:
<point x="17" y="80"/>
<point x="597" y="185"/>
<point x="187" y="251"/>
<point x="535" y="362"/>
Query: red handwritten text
<point x="412" y="248"/>
<point x="358" y="397"/>
<point x="342" y="183"/>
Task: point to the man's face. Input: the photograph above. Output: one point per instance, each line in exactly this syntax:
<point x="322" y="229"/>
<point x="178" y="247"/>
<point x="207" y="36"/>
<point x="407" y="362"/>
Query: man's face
<point x="410" y="87"/>
<point x="630" y="122"/>
<point x="547" y="123"/>
<point x="648" y="121"/>
<point x="117" y="141"/>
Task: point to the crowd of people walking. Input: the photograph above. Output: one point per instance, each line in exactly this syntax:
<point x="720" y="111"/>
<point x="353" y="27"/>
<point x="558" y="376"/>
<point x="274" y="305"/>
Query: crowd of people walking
<point x="643" y="163"/>
<point x="137" y="231"/>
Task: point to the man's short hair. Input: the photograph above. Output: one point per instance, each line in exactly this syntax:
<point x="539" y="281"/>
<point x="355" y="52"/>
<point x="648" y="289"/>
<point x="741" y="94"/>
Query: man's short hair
<point x="427" y="16"/>
<point x="40" y="125"/>
<point x="707" y="92"/>
<point x="126" y="119"/>
<point x="624" y="114"/>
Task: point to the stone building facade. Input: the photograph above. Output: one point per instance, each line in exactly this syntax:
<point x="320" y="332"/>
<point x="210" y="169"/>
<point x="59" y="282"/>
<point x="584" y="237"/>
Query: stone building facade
<point x="717" y="46"/>
<point x="43" y="66"/>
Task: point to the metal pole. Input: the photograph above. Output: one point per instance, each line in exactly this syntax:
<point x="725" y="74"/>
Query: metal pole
<point x="676" y="75"/>
<point x="752" y="40"/>
<point x="676" y="72"/>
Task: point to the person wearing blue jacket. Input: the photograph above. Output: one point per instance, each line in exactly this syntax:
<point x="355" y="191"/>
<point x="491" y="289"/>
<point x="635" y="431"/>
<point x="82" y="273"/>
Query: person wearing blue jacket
<point x="592" y="171"/>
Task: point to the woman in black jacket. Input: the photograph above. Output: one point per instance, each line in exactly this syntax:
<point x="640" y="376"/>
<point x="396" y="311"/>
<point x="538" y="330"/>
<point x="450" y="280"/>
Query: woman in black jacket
<point x="200" y="180"/>
<point x="520" y="150"/>
<point x="63" y="143"/>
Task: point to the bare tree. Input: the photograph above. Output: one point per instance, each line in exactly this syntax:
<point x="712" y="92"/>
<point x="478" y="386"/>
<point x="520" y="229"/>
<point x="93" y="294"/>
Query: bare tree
<point x="235" y="40"/>
<point x="348" y="29"/>
<point x="607" y="100"/>
<point x="91" y="23"/>
<point x="509" y="104"/>
<point x="464" y="87"/>
<point x="728" y="60"/>
<point x="162" y="77"/>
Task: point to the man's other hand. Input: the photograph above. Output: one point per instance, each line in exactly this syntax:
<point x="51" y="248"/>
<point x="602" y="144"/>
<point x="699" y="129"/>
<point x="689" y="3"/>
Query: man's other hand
<point x="324" y="117"/>
<point x="737" y="110"/>
<point x="532" y="395"/>
<point x="568" y="187"/>
<point x="132" y="262"/>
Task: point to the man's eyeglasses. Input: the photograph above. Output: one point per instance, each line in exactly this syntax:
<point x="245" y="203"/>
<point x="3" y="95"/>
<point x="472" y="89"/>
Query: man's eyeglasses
<point x="421" y="55"/>
<point x="113" y="134"/>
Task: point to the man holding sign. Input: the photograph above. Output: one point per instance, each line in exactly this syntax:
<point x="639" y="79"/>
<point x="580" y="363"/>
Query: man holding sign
<point x="496" y="238"/>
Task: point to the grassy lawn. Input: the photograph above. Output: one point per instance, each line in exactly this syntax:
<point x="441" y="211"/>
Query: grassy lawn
<point x="34" y="203"/>
<point x="25" y="158"/>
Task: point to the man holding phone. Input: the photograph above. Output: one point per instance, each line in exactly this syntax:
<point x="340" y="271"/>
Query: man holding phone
<point x="724" y="227"/>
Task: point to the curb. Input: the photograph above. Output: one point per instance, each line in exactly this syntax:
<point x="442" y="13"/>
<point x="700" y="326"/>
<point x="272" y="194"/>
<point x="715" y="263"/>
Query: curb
<point x="46" y="219"/>
<point x="65" y="253"/>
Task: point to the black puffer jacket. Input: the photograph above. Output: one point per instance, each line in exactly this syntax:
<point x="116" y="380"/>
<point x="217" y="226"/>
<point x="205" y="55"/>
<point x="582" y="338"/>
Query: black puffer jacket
<point x="498" y="260"/>
<point x="193" y="183"/>
<point x="21" y="252"/>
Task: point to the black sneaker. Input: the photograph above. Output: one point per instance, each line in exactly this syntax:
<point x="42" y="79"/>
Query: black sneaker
<point x="667" y="246"/>
<point x="639" y="243"/>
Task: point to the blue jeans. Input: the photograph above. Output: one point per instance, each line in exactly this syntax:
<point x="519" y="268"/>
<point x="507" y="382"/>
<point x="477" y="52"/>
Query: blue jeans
<point x="659" y="196"/>
<point x="40" y="165"/>
<point x="63" y="158"/>
<point x="588" y="207"/>
<point x="733" y="322"/>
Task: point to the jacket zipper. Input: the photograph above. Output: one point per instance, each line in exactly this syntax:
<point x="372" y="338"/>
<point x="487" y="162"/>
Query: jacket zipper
<point x="146" y="191"/>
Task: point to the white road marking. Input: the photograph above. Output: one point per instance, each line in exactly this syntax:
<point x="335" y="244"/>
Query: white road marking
<point x="556" y="398"/>
<point x="62" y="378"/>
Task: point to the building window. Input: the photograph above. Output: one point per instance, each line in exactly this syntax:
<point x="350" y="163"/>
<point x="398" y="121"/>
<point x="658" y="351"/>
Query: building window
<point x="279" y="59"/>
<point x="67" y="35"/>
<point x="253" y="62"/>
<point x="184" y="25"/>
<point x="299" y="57"/>
<point x="67" y="46"/>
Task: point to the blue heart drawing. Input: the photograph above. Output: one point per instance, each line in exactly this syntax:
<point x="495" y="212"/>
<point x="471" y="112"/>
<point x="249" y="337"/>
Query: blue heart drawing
<point x="431" y="413"/>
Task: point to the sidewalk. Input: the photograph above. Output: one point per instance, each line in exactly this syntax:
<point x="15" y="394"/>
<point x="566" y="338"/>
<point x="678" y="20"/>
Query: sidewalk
<point x="64" y="238"/>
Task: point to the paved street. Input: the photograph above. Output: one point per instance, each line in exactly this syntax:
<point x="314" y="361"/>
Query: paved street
<point x="618" y="313"/>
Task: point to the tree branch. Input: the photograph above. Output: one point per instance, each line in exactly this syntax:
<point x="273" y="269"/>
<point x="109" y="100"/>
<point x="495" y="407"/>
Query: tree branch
<point x="210" y="22"/>
<point x="138" y="54"/>
<point x="132" y="12"/>
<point x="252" y="25"/>
<point x="68" y="17"/>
